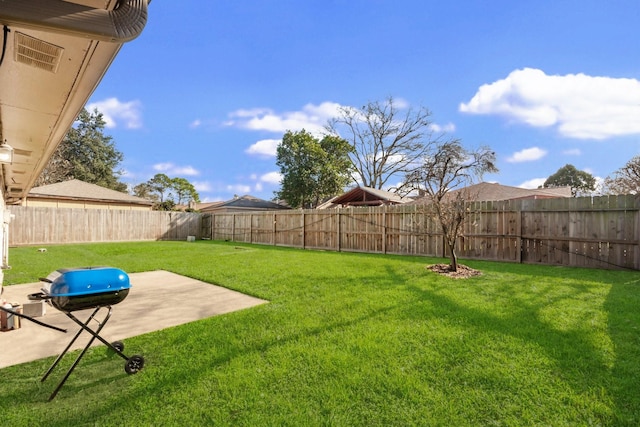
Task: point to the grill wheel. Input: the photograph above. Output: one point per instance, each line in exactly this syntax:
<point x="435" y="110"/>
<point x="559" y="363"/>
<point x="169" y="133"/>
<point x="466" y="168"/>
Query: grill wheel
<point x="134" y="364"/>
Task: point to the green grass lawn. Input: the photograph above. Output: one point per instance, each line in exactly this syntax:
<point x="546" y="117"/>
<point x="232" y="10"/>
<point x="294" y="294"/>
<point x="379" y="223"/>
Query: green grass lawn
<point x="350" y="339"/>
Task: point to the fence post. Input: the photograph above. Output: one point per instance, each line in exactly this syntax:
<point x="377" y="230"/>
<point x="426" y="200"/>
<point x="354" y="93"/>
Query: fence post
<point x="233" y="228"/>
<point x="384" y="229"/>
<point x="304" y="231"/>
<point x="274" y="229"/>
<point x="339" y="236"/>
<point x="250" y="228"/>
<point x="636" y="208"/>
<point x="518" y="229"/>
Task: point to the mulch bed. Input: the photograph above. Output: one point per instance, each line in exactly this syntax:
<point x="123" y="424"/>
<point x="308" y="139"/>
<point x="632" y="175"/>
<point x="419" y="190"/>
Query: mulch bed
<point x="463" y="272"/>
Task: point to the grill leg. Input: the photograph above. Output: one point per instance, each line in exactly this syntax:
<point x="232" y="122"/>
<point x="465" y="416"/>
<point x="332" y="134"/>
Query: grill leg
<point x="84" y="327"/>
<point x="68" y="346"/>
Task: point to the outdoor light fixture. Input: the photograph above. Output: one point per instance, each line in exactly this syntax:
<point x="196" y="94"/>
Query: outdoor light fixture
<point x="6" y="153"/>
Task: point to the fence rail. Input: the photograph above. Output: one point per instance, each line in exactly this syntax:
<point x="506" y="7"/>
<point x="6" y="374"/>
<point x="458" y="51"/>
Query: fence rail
<point x="44" y="225"/>
<point x="600" y="232"/>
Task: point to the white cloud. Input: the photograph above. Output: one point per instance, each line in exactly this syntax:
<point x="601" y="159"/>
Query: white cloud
<point x="533" y="183"/>
<point x="401" y="103"/>
<point x="578" y="105"/>
<point x="599" y="184"/>
<point x="201" y="186"/>
<point x="311" y="118"/>
<point x="162" y="167"/>
<point x="115" y="112"/>
<point x="271" y="178"/>
<point x="172" y="170"/>
<point x="264" y="147"/>
<point x="239" y="189"/>
<point x="195" y="124"/>
<point x="250" y="113"/>
<point x="572" y="152"/>
<point x="449" y="127"/>
<point x="211" y="199"/>
<point x="186" y="170"/>
<point x="527" y="155"/>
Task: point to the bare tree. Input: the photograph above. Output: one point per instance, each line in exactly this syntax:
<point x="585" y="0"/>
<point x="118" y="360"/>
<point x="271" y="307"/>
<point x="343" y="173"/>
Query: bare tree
<point x="443" y="177"/>
<point x="625" y="180"/>
<point x="386" y="141"/>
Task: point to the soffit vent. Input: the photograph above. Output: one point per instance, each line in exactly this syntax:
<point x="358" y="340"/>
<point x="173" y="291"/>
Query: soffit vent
<point x="25" y="153"/>
<point x="37" y="53"/>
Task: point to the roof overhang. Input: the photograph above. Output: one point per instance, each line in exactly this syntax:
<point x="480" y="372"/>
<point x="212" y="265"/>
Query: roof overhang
<point x="52" y="64"/>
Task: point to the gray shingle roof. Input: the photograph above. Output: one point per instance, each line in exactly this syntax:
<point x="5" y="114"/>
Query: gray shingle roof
<point x="486" y="191"/>
<point x="245" y="202"/>
<point x="75" y="189"/>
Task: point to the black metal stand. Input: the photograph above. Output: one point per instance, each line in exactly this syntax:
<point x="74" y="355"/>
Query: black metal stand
<point x="133" y="364"/>
<point x="37" y="322"/>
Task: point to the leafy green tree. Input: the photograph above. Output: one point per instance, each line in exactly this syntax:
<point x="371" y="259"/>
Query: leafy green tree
<point x="87" y="154"/>
<point x="312" y="169"/>
<point x="167" y="192"/>
<point x="579" y="181"/>
<point x="160" y="185"/>
<point x="167" y="205"/>
<point x="625" y="180"/>
<point x="145" y="191"/>
<point x="185" y="192"/>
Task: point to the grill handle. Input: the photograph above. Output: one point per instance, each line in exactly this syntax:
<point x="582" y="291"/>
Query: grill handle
<point x="24" y="316"/>
<point x="39" y="296"/>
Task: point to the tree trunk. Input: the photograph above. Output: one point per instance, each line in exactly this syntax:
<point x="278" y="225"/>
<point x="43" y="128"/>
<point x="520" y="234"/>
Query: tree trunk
<point x="453" y="258"/>
<point x="453" y="265"/>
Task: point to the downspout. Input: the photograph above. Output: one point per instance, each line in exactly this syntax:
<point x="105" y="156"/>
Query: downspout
<point x="122" y="24"/>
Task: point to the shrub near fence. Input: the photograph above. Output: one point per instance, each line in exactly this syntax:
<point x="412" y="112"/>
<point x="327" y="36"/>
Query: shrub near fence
<point x="43" y="225"/>
<point x="599" y="232"/>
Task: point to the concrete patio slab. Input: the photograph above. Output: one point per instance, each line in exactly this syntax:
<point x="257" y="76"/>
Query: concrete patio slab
<point x="147" y="308"/>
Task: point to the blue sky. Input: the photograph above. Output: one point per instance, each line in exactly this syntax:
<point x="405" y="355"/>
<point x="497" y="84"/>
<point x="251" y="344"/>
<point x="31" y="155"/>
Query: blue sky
<point x="210" y="87"/>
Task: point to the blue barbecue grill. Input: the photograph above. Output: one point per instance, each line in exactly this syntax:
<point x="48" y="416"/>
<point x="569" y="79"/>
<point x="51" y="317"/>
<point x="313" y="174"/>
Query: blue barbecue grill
<point x="96" y="288"/>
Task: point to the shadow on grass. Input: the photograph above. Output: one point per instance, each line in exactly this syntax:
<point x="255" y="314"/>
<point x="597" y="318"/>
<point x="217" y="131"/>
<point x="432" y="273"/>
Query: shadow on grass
<point x="623" y="310"/>
<point x="155" y="384"/>
<point x="581" y="360"/>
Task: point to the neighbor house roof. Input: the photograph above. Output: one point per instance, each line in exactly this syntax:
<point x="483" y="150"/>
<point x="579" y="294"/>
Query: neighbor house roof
<point x="487" y="191"/>
<point x="364" y="196"/>
<point x="241" y="203"/>
<point x="75" y="189"/>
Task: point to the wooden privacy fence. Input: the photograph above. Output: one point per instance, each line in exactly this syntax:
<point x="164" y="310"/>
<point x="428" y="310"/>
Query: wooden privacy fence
<point x="43" y="225"/>
<point x="599" y="232"/>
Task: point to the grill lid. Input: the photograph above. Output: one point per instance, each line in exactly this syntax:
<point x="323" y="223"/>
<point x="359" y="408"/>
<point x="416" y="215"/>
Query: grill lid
<point x="85" y="281"/>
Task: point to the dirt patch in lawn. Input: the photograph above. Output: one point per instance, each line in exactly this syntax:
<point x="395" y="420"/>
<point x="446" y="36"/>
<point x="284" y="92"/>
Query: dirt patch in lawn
<point x="463" y="272"/>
